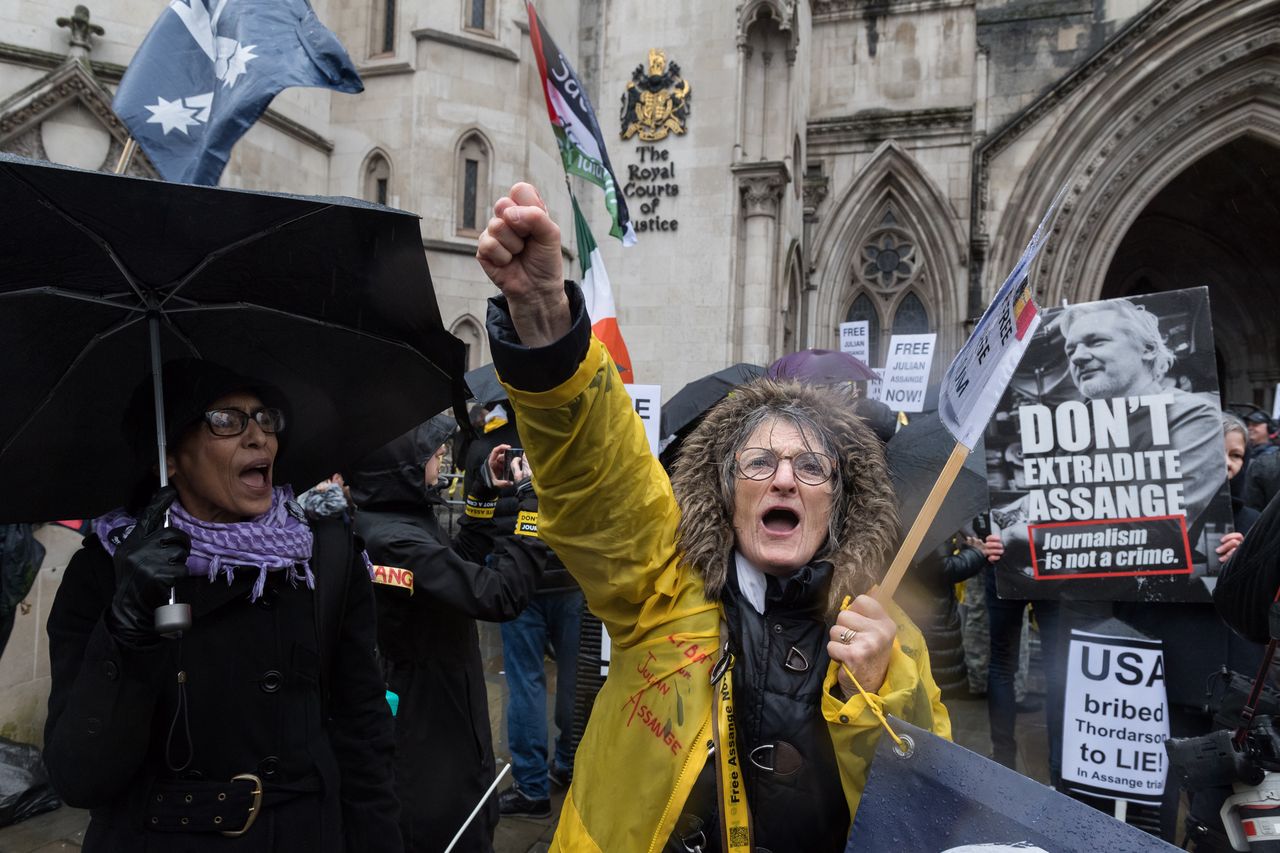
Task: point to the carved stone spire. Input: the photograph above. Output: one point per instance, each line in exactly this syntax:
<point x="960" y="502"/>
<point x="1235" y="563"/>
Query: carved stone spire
<point x="81" y="30"/>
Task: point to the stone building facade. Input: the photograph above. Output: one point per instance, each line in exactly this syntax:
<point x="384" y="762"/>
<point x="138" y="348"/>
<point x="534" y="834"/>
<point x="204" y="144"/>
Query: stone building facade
<point x="883" y="160"/>
<point x="872" y="159"/>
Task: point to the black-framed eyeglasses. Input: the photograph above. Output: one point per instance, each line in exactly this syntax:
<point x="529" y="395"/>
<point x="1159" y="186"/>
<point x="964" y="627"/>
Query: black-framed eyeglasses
<point x="760" y="463"/>
<point x="228" y="422"/>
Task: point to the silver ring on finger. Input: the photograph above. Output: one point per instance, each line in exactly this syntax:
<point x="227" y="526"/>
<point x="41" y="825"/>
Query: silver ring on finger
<point x="846" y="636"/>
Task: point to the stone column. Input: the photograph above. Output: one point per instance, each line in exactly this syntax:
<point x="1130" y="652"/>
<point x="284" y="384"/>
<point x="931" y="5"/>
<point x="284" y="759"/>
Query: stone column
<point x="815" y="189"/>
<point x="760" y="186"/>
<point x="744" y="57"/>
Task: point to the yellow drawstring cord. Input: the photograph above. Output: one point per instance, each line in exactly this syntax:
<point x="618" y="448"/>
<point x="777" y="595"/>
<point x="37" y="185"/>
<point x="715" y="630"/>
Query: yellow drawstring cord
<point x="873" y="701"/>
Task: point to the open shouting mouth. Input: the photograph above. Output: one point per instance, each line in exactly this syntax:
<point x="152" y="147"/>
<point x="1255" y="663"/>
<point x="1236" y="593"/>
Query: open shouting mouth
<point x="257" y="475"/>
<point x="780" y="520"/>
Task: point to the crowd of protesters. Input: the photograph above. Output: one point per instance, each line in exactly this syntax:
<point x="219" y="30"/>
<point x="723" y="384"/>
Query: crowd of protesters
<point x="333" y="696"/>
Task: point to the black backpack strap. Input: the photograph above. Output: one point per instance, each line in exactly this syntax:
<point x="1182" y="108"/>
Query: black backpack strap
<point x="334" y="555"/>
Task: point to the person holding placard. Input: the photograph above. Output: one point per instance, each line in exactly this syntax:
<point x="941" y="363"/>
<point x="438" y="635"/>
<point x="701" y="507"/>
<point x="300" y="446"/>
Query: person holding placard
<point x="734" y="594"/>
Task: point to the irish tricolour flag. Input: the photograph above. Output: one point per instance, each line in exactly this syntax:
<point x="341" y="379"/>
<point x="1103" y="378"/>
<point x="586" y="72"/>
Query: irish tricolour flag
<point x="598" y="294"/>
<point x="577" y="131"/>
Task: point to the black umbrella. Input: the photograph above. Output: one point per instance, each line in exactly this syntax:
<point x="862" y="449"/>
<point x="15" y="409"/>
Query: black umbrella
<point x="484" y="385"/>
<point x="916" y="455"/>
<point x="693" y="400"/>
<point x="327" y="299"/>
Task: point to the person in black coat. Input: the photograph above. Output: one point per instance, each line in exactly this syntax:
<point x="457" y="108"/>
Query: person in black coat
<point x="1196" y="646"/>
<point x="257" y="720"/>
<point x="1250" y="580"/>
<point x="928" y="597"/>
<point x="430" y="592"/>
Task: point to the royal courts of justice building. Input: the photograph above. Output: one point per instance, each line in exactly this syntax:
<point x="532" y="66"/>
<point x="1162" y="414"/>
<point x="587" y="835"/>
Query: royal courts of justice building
<point x="824" y="160"/>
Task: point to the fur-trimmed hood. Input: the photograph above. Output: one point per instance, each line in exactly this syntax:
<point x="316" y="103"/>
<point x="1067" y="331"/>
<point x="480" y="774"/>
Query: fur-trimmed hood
<point x="867" y="517"/>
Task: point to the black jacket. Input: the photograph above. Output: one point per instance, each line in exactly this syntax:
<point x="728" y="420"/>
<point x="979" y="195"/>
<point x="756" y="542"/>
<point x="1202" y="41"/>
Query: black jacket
<point x="1251" y="578"/>
<point x="789" y="762"/>
<point x="1196" y="642"/>
<point x="1262" y="478"/>
<point x="928" y="598"/>
<point x="430" y="647"/>
<point x="491" y="513"/>
<point x="253" y="696"/>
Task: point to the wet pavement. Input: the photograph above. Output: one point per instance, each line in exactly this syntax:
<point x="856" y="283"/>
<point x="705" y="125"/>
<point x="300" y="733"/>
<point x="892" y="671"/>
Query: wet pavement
<point x="63" y="829"/>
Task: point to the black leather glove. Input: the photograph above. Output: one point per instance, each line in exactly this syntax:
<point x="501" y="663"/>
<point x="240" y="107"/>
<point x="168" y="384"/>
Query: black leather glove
<point x="150" y="560"/>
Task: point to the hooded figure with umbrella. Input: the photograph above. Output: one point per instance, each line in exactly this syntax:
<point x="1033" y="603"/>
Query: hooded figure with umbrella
<point x="295" y="335"/>
<point x="430" y="592"/>
<point x="258" y="720"/>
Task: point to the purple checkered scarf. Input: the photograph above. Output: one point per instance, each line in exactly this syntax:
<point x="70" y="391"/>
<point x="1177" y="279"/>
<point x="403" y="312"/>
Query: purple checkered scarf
<point x="278" y="539"/>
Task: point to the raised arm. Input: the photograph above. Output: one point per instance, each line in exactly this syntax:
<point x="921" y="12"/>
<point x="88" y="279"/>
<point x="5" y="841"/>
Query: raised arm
<point x="605" y="505"/>
<point x="520" y="252"/>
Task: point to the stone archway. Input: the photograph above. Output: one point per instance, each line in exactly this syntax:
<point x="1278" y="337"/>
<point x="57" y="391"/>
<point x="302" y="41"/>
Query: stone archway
<point x="891" y="195"/>
<point x="1206" y="79"/>
<point x="1214" y="225"/>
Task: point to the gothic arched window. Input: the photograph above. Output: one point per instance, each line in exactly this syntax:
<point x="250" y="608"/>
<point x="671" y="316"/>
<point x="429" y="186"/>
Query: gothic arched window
<point x="477" y="16"/>
<point x="910" y="317"/>
<point x="376" y="185"/>
<point x="382" y="27"/>
<point x="473" y="183"/>
<point x="864" y="309"/>
<point x="467" y="330"/>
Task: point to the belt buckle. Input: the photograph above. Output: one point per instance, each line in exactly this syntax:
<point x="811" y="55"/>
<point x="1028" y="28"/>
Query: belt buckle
<point x="253" y="809"/>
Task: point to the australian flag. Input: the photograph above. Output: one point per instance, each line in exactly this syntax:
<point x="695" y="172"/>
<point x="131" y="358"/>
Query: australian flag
<point x="209" y="68"/>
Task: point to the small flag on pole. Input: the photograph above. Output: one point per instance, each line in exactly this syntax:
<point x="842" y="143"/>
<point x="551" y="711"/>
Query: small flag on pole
<point x="973" y="386"/>
<point x="977" y="377"/>
<point x="598" y="294"/>
<point x="209" y="68"/>
<point x="577" y="132"/>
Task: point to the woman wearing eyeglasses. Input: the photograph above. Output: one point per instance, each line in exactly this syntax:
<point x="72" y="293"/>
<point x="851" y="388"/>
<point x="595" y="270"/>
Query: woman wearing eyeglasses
<point x="722" y="591"/>
<point x="265" y="726"/>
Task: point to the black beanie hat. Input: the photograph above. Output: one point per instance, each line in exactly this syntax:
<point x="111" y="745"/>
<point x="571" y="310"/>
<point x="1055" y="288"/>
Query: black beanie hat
<point x="190" y="385"/>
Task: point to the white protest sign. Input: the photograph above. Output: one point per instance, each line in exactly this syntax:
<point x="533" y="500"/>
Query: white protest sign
<point x="977" y="377"/>
<point x="647" y="400"/>
<point x="874" y="386"/>
<point x="855" y="339"/>
<point x="1116" y="718"/>
<point x="1275" y="404"/>
<point x="907" y="372"/>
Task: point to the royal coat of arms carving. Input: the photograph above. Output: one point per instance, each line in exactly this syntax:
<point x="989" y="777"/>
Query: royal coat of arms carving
<point x="656" y="101"/>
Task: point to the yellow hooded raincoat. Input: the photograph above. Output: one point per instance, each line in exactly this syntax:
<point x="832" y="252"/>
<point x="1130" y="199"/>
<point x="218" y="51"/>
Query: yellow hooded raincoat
<point x="608" y="511"/>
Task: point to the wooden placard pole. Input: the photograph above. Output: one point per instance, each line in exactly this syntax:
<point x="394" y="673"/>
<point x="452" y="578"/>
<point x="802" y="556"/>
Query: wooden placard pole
<point x="898" y="569"/>
<point x="130" y="146"/>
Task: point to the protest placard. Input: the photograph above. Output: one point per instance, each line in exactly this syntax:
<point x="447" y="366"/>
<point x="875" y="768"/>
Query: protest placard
<point x="1116" y="716"/>
<point x="939" y="796"/>
<point x="647" y="400"/>
<point x="973" y="385"/>
<point x="874" y="386"/>
<point x="1105" y="457"/>
<point x="906" y="372"/>
<point x="855" y="339"/>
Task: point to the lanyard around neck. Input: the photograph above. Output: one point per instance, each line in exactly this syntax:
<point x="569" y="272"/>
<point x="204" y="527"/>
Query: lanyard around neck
<point x="735" y="816"/>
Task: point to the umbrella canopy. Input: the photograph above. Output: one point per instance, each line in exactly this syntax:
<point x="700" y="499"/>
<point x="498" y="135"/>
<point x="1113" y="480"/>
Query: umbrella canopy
<point x="692" y="401"/>
<point x="916" y="455"/>
<point x="329" y="300"/>
<point x="821" y="367"/>
<point x="484" y="385"/>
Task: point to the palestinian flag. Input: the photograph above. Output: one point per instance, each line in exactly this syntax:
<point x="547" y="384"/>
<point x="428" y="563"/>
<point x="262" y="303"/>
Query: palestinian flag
<point x="577" y="131"/>
<point x="598" y="294"/>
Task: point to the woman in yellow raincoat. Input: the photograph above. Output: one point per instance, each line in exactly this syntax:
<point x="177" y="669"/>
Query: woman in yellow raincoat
<point x="748" y="664"/>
